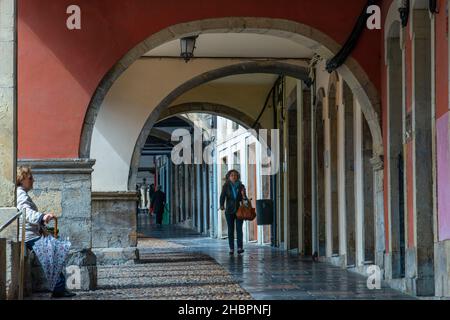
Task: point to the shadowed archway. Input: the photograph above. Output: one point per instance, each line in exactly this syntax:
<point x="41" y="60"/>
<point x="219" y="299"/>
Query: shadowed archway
<point x="269" y="67"/>
<point x="214" y="109"/>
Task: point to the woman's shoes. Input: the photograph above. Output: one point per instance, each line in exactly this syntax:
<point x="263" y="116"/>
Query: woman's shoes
<point x="63" y="294"/>
<point x="240" y="251"/>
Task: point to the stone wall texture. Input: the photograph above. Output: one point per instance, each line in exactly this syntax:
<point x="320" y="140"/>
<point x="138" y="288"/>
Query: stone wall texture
<point x="63" y="187"/>
<point x="7" y="103"/>
<point x="114" y="220"/>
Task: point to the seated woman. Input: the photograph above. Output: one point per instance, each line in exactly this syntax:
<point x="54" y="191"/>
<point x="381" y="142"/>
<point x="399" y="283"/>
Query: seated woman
<point x="35" y="221"/>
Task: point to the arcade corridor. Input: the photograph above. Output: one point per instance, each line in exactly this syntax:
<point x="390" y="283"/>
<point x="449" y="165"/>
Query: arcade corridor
<point x="178" y="263"/>
<point x="340" y="132"/>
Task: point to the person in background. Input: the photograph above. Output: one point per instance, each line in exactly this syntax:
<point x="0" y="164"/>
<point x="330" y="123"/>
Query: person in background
<point x="233" y="192"/>
<point x="158" y="204"/>
<point x="35" y="222"/>
<point x="151" y="193"/>
<point x="144" y="199"/>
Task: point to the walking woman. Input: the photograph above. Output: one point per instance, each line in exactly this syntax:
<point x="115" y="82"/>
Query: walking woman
<point x="233" y="192"/>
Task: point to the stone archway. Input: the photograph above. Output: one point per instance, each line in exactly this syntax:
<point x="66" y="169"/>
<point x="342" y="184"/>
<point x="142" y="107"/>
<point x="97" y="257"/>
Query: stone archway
<point x="211" y="108"/>
<point x="272" y="67"/>
<point x="319" y="42"/>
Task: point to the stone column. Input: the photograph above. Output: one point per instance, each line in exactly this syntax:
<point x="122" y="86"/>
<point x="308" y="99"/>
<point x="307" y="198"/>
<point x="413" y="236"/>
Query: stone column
<point x="314" y="196"/>
<point x="187" y="196"/>
<point x="212" y="200"/>
<point x="63" y="187"/>
<point x="358" y="184"/>
<point x="204" y="199"/>
<point x="378" y="201"/>
<point x="420" y="260"/>
<point x="208" y="200"/>
<point x="8" y="109"/>
<point x="349" y="176"/>
<point x="182" y="193"/>
<point x="2" y="269"/>
<point x="192" y="194"/>
<point x="8" y="138"/>
<point x="305" y="225"/>
<point x="199" y="197"/>
<point x="173" y="197"/>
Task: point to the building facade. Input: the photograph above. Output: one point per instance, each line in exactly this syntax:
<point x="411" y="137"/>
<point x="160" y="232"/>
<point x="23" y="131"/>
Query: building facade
<point x="364" y="137"/>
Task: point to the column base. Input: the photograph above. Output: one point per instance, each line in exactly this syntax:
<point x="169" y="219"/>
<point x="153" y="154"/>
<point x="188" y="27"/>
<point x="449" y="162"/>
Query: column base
<point x="82" y="263"/>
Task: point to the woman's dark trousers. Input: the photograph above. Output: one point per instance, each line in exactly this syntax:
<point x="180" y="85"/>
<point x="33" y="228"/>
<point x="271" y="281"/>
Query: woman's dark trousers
<point x="233" y="221"/>
<point x="159" y="216"/>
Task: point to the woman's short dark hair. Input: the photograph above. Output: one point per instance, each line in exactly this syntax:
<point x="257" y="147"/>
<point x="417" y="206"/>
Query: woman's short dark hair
<point x="227" y="176"/>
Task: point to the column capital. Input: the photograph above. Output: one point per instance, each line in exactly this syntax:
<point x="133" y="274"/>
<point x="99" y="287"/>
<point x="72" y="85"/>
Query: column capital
<point x="377" y="162"/>
<point x="59" y="166"/>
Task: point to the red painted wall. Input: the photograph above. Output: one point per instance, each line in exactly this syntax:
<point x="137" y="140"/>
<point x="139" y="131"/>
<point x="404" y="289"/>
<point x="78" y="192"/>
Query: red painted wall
<point x="441" y="61"/>
<point x="59" y="69"/>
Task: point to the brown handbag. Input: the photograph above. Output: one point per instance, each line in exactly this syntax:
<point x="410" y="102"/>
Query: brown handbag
<point x="246" y="212"/>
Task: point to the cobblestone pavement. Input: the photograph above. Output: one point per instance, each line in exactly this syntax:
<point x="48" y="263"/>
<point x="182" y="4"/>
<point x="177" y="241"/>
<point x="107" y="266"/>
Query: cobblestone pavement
<point x="162" y="273"/>
<point x="177" y="263"/>
<point x="271" y="273"/>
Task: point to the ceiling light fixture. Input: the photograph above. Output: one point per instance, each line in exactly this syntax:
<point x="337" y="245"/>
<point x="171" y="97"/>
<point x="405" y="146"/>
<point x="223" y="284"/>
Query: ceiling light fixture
<point x="188" y="47"/>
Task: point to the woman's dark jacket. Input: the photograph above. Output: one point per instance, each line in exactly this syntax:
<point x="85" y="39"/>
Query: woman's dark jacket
<point x="158" y="201"/>
<point x="232" y="205"/>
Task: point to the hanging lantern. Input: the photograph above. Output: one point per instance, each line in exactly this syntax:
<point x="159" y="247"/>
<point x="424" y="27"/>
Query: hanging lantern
<point x="404" y="12"/>
<point x="188" y="47"/>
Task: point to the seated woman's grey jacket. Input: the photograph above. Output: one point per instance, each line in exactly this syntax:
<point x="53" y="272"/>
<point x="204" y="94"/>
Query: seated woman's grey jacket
<point x="34" y="217"/>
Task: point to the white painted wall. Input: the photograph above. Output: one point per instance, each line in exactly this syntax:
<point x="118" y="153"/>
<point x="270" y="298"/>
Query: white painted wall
<point x="128" y="105"/>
